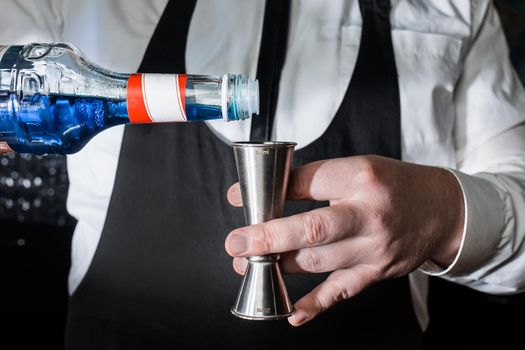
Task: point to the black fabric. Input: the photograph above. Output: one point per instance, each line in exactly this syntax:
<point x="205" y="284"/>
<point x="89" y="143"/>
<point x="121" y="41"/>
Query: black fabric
<point x="377" y="93"/>
<point x="272" y="54"/>
<point x="160" y="278"/>
<point x="169" y="38"/>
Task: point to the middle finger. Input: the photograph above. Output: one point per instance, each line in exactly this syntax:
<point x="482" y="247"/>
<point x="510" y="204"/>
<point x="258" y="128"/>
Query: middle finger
<point x="320" y="259"/>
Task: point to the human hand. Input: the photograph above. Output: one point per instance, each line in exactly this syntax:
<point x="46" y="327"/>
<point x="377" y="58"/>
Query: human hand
<point x="385" y="218"/>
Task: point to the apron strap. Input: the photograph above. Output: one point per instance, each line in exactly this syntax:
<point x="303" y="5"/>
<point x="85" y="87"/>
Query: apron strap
<point x="272" y="54"/>
<point x="372" y="98"/>
<point x="169" y="37"/>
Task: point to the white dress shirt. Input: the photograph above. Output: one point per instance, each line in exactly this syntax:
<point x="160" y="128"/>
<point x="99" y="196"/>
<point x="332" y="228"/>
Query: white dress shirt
<point x="462" y="106"/>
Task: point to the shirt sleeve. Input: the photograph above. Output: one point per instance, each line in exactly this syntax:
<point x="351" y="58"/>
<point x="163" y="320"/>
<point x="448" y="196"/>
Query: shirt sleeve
<point x="490" y="151"/>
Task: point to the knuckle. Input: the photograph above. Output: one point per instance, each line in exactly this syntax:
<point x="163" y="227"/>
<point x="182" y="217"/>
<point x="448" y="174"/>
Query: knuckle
<point x="320" y="305"/>
<point x="334" y="293"/>
<point x="385" y="255"/>
<point x="314" y="229"/>
<point x="313" y="263"/>
<point x="382" y="220"/>
<point x="339" y="291"/>
<point x="344" y="290"/>
<point x="370" y="274"/>
<point x="269" y="238"/>
<point x="368" y="173"/>
<point x="386" y="252"/>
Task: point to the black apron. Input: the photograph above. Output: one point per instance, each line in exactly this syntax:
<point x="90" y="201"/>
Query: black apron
<point x="161" y="279"/>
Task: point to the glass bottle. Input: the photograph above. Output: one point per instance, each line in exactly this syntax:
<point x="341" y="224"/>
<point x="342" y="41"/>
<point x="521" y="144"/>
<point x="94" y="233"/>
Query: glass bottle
<point x="53" y="100"/>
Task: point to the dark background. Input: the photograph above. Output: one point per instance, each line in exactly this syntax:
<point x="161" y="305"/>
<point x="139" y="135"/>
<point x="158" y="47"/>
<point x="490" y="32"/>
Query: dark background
<point x="35" y="238"/>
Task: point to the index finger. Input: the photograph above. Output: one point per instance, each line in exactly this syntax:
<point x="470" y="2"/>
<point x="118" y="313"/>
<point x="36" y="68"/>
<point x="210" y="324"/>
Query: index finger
<point x="322" y="180"/>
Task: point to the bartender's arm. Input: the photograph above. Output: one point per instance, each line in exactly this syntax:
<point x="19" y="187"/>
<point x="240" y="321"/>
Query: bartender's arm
<point x="387" y="218"/>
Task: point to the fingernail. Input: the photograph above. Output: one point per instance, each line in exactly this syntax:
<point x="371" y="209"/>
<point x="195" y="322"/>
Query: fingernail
<point x="235" y="195"/>
<point x="238" y="244"/>
<point x="240" y="264"/>
<point x="298" y="317"/>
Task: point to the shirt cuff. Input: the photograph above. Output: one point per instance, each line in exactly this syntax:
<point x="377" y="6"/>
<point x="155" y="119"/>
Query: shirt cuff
<point x="484" y="222"/>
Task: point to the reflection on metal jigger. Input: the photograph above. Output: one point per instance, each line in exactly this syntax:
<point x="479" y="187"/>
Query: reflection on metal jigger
<point x="263" y="169"/>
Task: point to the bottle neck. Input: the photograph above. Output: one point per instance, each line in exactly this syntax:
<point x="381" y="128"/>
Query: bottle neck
<point x="158" y="98"/>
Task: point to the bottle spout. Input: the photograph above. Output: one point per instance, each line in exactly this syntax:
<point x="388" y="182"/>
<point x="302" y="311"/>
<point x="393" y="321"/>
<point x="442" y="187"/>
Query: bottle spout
<point x="240" y="97"/>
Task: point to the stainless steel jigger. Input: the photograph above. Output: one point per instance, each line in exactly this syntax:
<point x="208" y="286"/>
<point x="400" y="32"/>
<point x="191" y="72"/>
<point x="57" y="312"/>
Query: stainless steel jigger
<point x="263" y="168"/>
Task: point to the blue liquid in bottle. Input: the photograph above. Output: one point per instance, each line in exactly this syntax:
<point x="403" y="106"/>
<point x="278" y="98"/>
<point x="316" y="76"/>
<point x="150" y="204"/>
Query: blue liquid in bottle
<point x="56" y="124"/>
<point x="64" y="124"/>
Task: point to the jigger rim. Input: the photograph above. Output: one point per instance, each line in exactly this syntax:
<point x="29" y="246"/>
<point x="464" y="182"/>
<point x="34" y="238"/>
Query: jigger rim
<point x="266" y="144"/>
<point x="262" y="318"/>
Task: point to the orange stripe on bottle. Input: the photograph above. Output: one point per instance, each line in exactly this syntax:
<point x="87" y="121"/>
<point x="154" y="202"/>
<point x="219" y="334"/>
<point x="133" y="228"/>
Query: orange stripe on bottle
<point x="182" y="93"/>
<point x="137" y="110"/>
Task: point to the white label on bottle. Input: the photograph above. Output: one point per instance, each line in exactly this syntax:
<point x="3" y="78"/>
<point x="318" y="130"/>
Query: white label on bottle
<point x="3" y="49"/>
<point x="156" y="98"/>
